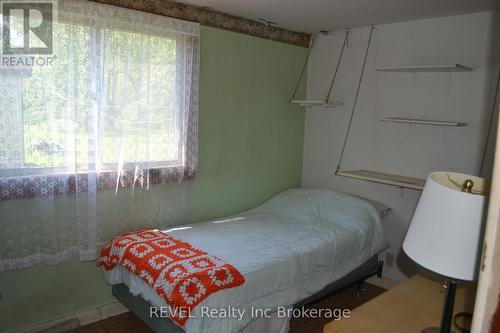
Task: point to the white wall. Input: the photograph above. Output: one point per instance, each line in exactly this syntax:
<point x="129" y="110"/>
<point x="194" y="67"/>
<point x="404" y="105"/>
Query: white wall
<point x="412" y="150"/>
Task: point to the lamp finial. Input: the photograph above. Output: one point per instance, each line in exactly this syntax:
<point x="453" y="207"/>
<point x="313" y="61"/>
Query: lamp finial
<point x="467" y="186"/>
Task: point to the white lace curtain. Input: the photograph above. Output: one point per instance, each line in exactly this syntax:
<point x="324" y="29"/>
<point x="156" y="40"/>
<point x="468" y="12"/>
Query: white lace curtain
<point x="83" y="141"/>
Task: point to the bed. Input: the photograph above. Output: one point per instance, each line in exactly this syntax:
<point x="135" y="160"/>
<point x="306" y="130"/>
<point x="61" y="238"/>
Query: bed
<point x="298" y="246"/>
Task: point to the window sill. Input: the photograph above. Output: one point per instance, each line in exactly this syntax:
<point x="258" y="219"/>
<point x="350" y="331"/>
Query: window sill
<point x="32" y="186"/>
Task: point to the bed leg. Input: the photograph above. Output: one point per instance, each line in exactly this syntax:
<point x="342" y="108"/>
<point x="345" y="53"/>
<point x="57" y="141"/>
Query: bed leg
<point x="360" y="289"/>
<point x="380" y="268"/>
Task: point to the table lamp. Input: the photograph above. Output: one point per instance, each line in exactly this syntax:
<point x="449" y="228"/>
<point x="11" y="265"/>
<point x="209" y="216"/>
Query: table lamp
<point x="446" y="231"/>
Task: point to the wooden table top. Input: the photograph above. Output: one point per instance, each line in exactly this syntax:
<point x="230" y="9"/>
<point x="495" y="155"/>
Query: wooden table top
<point x="407" y="308"/>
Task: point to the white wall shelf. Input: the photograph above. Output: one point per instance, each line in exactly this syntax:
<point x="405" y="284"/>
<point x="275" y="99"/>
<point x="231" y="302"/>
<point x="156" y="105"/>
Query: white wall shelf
<point x="309" y="103"/>
<point x="422" y="122"/>
<point x="414" y="69"/>
<point x="384" y="178"/>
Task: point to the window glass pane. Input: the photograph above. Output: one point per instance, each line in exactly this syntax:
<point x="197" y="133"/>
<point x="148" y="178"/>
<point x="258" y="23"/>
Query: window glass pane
<point x="45" y="109"/>
<point x="56" y="104"/>
<point x="51" y="121"/>
<point x="140" y="122"/>
<point x="11" y="120"/>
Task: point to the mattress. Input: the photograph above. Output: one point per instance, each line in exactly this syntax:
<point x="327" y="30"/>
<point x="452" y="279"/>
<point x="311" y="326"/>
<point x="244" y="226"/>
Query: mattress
<point x="288" y="249"/>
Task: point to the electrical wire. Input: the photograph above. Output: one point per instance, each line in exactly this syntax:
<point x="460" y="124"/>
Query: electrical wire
<point x="465" y="315"/>
<point x="492" y="116"/>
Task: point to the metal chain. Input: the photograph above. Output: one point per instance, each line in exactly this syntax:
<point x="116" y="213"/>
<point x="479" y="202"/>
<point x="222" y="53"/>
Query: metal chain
<point x="303" y="69"/>
<point x="327" y="97"/>
<point x="355" y="100"/>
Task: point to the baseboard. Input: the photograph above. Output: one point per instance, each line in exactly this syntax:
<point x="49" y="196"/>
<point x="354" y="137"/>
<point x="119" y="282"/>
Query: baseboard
<point x="83" y="317"/>
<point x="383" y="282"/>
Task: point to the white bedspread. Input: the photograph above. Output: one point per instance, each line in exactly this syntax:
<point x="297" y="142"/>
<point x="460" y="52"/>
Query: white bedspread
<point x="287" y="249"/>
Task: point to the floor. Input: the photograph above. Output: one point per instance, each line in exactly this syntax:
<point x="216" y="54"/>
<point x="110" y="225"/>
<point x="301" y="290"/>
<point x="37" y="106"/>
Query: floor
<point x="344" y="299"/>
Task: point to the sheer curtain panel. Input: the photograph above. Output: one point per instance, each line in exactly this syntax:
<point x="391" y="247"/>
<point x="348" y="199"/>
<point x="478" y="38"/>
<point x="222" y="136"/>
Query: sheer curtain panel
<point x="84" y="141"/>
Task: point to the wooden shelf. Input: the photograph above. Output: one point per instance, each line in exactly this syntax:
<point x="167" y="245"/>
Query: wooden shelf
<point x="422" y="122"/>
<point x="384" y="178"/>
<point x="414" y="69"/>
<point x="309" y="103"/>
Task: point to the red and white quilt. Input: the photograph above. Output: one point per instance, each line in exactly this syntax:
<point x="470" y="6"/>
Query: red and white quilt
<point x="181" y="274"/>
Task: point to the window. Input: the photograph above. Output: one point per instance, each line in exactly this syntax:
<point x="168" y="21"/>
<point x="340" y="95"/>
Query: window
<point x="119" y="102"/>
<point x="139" y="106"/>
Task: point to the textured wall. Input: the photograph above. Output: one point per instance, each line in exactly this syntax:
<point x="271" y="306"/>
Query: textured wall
<point x="411" y="150"/>
<point x="250" y="147"/>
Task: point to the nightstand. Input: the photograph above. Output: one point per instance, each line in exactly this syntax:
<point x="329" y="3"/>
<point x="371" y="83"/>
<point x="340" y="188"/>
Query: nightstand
<point x="407" y="308"/>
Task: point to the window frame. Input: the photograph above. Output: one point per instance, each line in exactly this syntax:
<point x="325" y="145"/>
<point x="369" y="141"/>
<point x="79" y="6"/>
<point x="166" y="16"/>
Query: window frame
<point x="24" y="182"/>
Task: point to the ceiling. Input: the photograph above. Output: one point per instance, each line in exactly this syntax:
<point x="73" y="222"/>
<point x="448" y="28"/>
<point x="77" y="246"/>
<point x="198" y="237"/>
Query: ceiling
<point x="313" y="16"/>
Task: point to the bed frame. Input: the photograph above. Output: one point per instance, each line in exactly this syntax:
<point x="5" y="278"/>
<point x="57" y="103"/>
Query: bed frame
<point x="140" y="307"/>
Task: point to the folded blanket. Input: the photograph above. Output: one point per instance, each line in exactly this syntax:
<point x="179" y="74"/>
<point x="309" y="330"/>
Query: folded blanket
<point x="181" y="274"/>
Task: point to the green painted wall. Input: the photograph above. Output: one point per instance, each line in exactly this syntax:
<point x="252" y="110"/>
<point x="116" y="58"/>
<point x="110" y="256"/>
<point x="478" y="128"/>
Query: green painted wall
<point x="250" y="147"/>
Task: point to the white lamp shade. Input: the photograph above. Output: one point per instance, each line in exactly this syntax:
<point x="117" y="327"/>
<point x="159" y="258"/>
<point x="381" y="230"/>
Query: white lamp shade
<point x="445" y="231"/>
